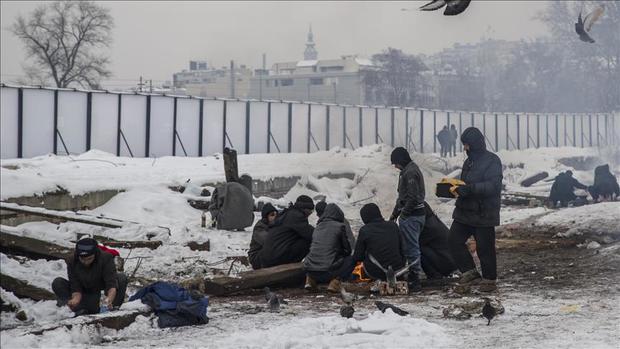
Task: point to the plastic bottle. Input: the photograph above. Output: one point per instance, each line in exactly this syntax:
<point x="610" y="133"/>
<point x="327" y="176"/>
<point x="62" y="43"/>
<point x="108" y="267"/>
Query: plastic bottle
<point x="103" y="308"/>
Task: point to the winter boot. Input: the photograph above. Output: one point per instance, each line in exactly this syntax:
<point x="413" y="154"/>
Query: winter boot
<point x="487" y="285"/>
<point x="469" y="277"/>
<point x="310" y="284"/>
<point x="413" y="282"/>
<point x="334" y="286"/>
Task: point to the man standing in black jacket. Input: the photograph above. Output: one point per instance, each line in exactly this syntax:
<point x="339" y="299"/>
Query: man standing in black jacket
<point x="477" y="211"/>
<point x="409" y="209"/>
<point x="90" y="271"/>
<point x="290" y="236"/>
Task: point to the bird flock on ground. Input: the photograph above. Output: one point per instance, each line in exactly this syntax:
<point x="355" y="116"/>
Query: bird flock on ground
<point x="456" y="7"/>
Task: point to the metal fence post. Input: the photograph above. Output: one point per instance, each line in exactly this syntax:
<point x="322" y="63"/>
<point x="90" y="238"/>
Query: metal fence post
<point x="527" y="131"/>
<point x="496" y="134"/>
<point x="407" y="129"/>
<point x="118" y="125"/>
<point x="582" y="135"/>
<point x="590" y="129"/>
<point x="421" y="131"/>
<point x="55" y="122"/>
<point x="537" y="130"/>
<point x="89" y="118"/>
<point x="484" y="127"/>
<point x="200" y="125"/>
<point x="547" y="130"/>
<point x="147" y="142"/>
<point x="247" y="127"/>
<point x="361" y="131"/>
<point x="174" y="127"/>
<point x="268" y="127"/>
<point x="557" y="131"/>
<point x="224" y="111"/>
<point x="472" y="120"/>
<point x="598" y="132"/>
<point x="344" y="127"/>
<point x="392" y="126"/>
<point x="434" y="131"/>
<point x="460" y="130"/>
<point x="20" y="123"/>
<point x="507" y="134"/>
<point x="574" y="130"/>
<point x="309" y="125"/>
<point x="290" y="127"/>
<point x="518" y="131"/>
<point x="376" y="125"/>
<point x="565" y="132"/>
<point x="327" y="128"/>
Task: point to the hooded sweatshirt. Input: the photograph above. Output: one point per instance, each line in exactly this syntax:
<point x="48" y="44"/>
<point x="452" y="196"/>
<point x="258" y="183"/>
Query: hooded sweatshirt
<point x="410" y="201"/>
<point x="330" y="243"/>
<point x="479" y="200"/>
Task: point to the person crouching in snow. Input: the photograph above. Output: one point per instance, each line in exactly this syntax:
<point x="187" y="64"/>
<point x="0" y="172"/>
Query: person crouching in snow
<point x="476" y="211"/>
<point x="329" y="259"/>
<point x="259" y="234"/>
<point x="379" y="244"/>
<point x="90" y="272"/>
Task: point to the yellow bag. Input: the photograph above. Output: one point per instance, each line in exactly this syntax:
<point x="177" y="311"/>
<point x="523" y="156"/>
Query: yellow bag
<point x="443" y="187"/>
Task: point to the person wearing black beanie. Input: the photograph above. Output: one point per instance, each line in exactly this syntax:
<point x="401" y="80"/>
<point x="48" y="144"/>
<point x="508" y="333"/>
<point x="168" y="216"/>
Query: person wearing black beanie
<point x="90" y="272"/>
<point x="259" y="234"/>
<point x="290" y="235"/>
<point x="409" y="210"/>
<point x="320" y="208"/>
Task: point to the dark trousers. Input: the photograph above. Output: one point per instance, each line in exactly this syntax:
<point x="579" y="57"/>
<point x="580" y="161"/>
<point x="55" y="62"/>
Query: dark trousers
<point x="452" y="149"/>
<point x="443" y="150"/>
<point x="485" y="247"/>
<point x="342" y="272"/>
<point x="90" y="300"/>
<point x="295" y="253"/>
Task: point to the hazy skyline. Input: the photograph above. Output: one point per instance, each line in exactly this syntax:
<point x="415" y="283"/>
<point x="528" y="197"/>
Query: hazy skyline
<point x="157" y="39"/>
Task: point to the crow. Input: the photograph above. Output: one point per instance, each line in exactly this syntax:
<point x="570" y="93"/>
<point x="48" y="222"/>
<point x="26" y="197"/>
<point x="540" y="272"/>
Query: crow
<point x="488" y="311"/>
<point x="453" y="7"/>
<point x="579" y="28"/>
<point x="347" y="311"/>
<point x="384" y="306"/>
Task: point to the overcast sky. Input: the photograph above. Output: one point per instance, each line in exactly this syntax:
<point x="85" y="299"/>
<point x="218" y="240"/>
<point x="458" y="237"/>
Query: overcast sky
<point x="156" y="39"/>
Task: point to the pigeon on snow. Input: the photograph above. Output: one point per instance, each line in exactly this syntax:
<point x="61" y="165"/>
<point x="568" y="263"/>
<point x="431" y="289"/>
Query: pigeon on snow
<point x="488" y="311"/>
<point x="453" y="7"/>
<point x="273" y="300"/>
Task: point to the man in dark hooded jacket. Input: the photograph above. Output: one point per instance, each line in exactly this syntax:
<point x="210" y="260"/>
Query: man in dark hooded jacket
<point x="90" y="272"/>
<point x="380" y="239"/>
<point x="605" y="184"/>
<point x="477" y="210"/>
<point x="409" y="209"/>
<point x="289" y="238"/>
<point x="259" y="234"/>
<point x="563" y="189"/>
<point x="444" y="139"/>
<point x="329" y="259"/>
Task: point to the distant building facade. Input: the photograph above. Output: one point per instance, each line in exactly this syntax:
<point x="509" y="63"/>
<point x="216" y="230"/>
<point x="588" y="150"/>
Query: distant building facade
<point x="204" y="81"/>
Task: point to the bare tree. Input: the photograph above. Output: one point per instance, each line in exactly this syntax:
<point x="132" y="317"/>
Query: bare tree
<point x="394" y="79"/>
<point x="64" y="40"/>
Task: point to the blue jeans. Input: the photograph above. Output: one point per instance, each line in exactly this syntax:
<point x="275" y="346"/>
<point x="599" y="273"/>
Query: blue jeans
<point x="411" y="228"/>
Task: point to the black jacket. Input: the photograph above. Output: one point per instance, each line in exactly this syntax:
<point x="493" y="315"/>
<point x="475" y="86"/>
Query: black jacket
<point x="259" y="235"/>
<point x="563" y="188"/>
<point x="410" y="201"/>
<point x="100" y="275"/>
<point x="330" y="243"/>
<point x="479" y="200"/>
<point x="289" y="226"/>
<point x="384" y="242"/>
<point x="605" y="182"/>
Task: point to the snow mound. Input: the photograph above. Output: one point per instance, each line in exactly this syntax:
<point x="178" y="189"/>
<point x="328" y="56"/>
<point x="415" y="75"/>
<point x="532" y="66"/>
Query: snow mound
<point x="599" y="218"/>
<point x="378" y="330"/>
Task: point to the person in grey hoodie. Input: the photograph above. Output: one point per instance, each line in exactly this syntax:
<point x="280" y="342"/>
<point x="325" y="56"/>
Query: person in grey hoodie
<point x="329" y="259"/>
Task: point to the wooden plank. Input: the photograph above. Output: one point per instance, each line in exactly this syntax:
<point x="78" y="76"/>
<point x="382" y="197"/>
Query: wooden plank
<point x="195" y="246"/>
<point x="286" y="274"/>
<point x="11" y="243"/>
<point x="60" y="215"/>
<point x="23" y="289"/>
<point x="231" y="169"/>
<point x="534" y="179"/>
<point x="150" y="244"/>
<point x="116" y="320"/>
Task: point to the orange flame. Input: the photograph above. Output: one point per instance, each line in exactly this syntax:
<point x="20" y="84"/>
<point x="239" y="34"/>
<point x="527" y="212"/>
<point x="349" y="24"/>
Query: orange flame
<point x="358" y="271"/>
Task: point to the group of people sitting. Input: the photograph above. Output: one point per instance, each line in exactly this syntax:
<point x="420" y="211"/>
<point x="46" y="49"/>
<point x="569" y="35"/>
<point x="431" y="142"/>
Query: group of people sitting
<point x="605" y="188"/>
<point x="419" y="243"/>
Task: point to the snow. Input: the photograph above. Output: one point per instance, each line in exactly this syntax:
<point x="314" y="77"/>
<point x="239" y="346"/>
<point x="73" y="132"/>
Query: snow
<point x="147" y="200"/>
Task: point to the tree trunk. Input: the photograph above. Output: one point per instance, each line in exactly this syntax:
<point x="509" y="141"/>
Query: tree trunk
<point x="24" y="290"/>
<point x="281" y="275"/>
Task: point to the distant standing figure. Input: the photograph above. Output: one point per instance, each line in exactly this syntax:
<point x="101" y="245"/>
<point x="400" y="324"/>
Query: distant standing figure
<point x="605" y="184"/>
<point x="444" y="141"/>
<point x="454" y="135"/>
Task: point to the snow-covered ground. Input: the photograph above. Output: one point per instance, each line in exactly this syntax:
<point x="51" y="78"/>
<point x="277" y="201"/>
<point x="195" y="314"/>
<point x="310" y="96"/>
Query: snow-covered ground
<point x="148" y="200"/>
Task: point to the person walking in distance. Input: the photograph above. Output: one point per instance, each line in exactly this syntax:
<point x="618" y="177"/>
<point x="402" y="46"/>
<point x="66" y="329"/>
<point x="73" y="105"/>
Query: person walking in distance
<point x="454" y="135"/>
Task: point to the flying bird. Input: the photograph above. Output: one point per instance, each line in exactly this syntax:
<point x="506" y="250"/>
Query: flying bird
<point x="347" y="311"/>
<point x="583" y="26"/>
<point x="384" y="306"/>
<point x="453" y="7"/>
<point x="488" y="311"/>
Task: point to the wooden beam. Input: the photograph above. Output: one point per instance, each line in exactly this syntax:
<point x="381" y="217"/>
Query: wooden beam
<point x="231" y="169"/>
<point x="116" y="320"/>
<point x="534" y="179"/>
<point x="23" y="289"/>
<point x="195" y="246"/>
<point x="60" y="215"/>
<point x="286" y="274"/>
<point x="11" y="243"/>
<point x="150" y="244"/>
